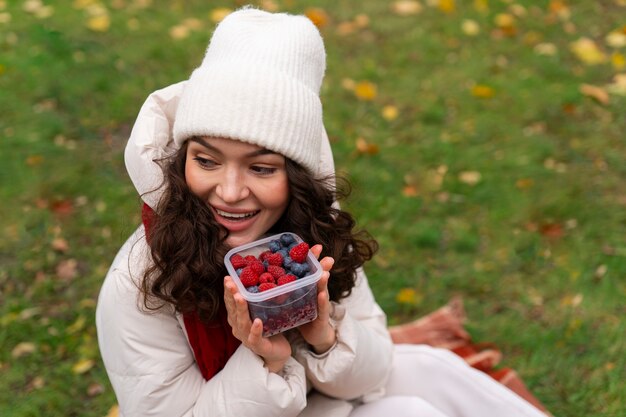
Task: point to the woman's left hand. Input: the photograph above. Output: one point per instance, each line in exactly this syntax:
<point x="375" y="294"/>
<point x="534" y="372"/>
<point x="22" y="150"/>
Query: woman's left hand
<point x="319" y="333"/>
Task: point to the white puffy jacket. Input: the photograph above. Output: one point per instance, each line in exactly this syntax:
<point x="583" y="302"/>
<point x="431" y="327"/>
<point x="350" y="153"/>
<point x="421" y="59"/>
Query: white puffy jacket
<point x="147" y="354"/>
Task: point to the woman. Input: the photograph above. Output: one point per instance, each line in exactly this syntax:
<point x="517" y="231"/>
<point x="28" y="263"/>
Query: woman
<point x="244" y="154"/>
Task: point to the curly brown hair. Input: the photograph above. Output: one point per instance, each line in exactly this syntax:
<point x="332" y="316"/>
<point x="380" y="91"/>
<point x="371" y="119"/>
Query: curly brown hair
<point x="188" y="245"/>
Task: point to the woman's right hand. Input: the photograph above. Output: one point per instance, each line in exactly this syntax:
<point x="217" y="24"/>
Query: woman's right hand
<point x="275" y="350"/>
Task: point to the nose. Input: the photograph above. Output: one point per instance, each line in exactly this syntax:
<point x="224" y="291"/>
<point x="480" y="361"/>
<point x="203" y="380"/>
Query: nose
<point x="232" y="186"/>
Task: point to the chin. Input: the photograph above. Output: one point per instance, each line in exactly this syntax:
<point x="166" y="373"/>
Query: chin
<point x="235" y="240"/>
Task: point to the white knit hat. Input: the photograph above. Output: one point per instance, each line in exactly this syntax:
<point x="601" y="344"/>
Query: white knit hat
<point x="259" y="83"/>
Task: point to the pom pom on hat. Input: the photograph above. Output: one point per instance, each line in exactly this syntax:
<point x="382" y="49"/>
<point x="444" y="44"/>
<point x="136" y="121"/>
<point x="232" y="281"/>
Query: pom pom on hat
<point x="259" y="83"/>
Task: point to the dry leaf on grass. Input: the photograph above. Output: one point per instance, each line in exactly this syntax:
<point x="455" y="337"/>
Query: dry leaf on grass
<point x="406" y="7"/>
<point x="364" y="147"/>
<point x="23" y="348"/>
<point x="597" y="93"/>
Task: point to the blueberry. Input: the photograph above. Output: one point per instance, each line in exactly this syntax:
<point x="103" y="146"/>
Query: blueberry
<point x="284" y="252"/>
<point x="287" y="239"/>
<point x="254" y="289"/>
<point x="265" y="264"/>
<point x="238" y="271"/>
<point x="275" y="245"/>
<point x="299" y="270"/>
<point x="287" y="261"/>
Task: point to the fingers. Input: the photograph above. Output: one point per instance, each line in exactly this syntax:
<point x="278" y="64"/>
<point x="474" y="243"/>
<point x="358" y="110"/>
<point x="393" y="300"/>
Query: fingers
<point x="237" y="309"/>
<point x="256" y="330"/>
<point x="327" y="262"/>
<point x="323" y="297"/>
<point x="316" y="250"/>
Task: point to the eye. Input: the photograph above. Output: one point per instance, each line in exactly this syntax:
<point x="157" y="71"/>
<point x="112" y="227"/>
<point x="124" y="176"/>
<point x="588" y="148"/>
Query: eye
<point x="262" y="170"/>
<point x="204" y="162"/>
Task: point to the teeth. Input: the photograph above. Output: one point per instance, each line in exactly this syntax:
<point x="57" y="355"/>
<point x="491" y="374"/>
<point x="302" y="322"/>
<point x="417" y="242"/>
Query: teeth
<point x="234" y="215"/>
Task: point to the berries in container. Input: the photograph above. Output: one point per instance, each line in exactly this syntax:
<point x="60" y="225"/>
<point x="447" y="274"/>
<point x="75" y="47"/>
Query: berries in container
<point x="278" y="278"/>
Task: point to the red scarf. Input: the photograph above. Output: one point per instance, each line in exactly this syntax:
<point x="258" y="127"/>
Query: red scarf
<point x="213" y="343"/>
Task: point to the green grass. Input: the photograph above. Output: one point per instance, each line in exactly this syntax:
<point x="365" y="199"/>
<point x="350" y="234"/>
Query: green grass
<point x="536" y="247"/>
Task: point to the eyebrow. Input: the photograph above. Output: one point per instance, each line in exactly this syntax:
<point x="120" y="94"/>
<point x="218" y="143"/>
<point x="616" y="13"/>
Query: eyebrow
<point x="204" y="143"/>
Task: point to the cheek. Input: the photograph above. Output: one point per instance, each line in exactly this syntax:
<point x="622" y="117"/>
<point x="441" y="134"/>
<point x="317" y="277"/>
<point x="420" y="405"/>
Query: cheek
<point x="278" y="196"/>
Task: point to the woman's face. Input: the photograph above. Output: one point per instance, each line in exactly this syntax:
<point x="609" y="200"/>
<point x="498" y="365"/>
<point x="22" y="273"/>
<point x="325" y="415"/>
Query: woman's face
<point x="245" y="185"/>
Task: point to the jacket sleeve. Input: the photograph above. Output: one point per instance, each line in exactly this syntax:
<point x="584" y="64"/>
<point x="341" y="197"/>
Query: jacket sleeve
<point x="153" y="372"/>
<point x="358" y="365"/>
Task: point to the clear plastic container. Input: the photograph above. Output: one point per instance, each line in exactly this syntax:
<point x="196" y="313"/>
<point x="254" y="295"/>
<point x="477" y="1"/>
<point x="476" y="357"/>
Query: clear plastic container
<point x="285" y="306"/>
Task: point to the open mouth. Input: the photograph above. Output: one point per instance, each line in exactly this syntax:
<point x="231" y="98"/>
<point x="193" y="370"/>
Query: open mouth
<point x="236" y="216"/>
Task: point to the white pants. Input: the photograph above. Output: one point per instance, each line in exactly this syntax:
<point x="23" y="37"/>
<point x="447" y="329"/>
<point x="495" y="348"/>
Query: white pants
<point x="431" y="382"/>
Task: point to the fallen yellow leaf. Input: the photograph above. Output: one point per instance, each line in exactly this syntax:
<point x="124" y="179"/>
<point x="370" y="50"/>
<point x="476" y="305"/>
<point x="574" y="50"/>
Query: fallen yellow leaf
<point x="82" y="366"/>
<point x="447" y="6"/>
<point x="83" y="4"/>
<point x="470" y="27"/>
<point x="179" y="32"/>
<point x="470" y="177"/>
<point x="587" y="51"/>
<point x="99" y="23"/>
<point x="346" y="28"/>
<point x="559" y="8"/>
<point x="504" y="20"/>
<point x="482" y="91"/>
<point x="318" y="16"/>
<point x="362" y="146"/>
<point x="36" y="383"/>
<point x="60" y="245"/>
<point x="409" y="296"/>
<point x="616" y="39"/>
<point x="348" y="84"/>
<point x="77" y="326"/>
<point x="618" y="87"/>
<point x="113" y="411"/>
<point x="218" y="14"/>
<point x="23" y="348"/>
<point x="618" y="61"/>
<point x="269" y="5"/>
<point x="597" y="93"/>
<point x="481" y="5"/>
<point x="548" y="49"/>
<point x="365" y="91"/>
<point x="406" y="7"/>
<point x="390" y="113"/>
<point x="572" y="300"/>
<point x="362" y="20"/>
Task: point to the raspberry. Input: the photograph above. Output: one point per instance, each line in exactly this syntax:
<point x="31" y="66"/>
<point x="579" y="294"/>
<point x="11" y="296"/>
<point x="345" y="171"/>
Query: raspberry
<point x="285" y="279"/>
<point x="263" y="256"/>
<point x="237" y="261"/>
<point x="257" y="267"/>
<point x="276" y="271"/>
<point x="275" y="259"/>
<point x="299" y="252"/>
<point x="266" y="286"/>
<point x="249" y="259"/>
<point x="248" y="277"/>
<point x="266" y="277"/>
